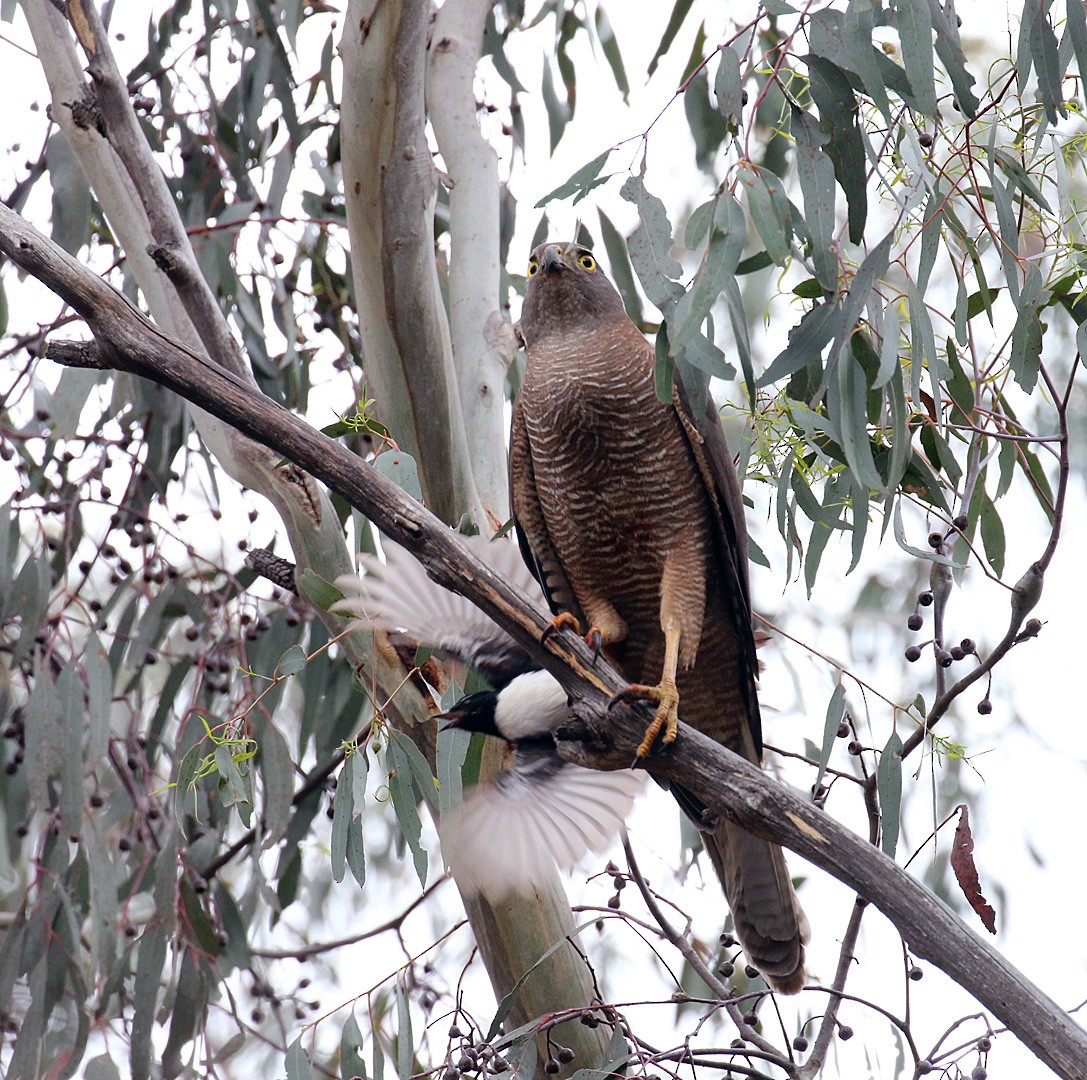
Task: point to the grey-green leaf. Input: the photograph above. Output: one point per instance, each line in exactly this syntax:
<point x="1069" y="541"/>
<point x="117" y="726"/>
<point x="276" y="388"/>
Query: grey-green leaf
<point x="889" y="787"/>
<point x="581" y="183"/>
<point x="815" y="172"/>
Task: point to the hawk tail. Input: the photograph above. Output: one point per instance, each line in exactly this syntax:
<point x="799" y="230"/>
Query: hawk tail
<point x="770" y="924"/>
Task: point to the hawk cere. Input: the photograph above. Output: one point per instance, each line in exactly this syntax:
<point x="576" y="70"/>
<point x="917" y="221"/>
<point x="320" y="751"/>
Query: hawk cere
<point x="632" y="519"/>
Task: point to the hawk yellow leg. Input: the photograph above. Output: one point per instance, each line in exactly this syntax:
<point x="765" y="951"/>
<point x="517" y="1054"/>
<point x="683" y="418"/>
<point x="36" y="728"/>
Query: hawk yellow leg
<point x="665" y="694"/>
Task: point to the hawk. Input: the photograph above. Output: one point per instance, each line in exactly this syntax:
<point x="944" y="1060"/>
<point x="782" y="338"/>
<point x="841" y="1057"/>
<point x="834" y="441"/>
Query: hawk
<point x="631" y="516"/>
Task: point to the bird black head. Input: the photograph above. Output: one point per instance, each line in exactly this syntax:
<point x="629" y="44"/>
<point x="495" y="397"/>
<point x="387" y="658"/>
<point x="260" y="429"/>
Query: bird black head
<point x="566" y="288"/>
<point x="474" y="712"/>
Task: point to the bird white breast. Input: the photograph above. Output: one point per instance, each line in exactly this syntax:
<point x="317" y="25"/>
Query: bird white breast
<point x="531" y="705"/>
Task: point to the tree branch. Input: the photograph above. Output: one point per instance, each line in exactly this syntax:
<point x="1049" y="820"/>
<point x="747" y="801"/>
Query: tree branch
<point x="483" y="340"/>
<point x="726" y="783"/>
<point x="391" y="186"/>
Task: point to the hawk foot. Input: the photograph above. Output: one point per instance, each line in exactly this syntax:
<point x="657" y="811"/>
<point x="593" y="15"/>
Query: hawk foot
<point x="667" y="716"/>
<point x="565" y="621"/>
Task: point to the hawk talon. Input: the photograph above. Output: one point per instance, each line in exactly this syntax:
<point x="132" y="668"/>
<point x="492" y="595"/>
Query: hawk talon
<point x="595" y="640"/>
<point x="563" y="621"/>
<point x="666" y="717"/>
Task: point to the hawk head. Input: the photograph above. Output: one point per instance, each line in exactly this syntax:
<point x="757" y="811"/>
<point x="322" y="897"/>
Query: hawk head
<point x="567" y="291"/>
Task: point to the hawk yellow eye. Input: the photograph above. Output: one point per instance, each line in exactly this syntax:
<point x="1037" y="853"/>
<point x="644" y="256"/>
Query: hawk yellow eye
<point x="533" y="267"/>
<point x="586" y="262"/>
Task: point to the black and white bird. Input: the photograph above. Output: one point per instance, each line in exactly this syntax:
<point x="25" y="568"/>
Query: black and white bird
<point x="539" y="811"/>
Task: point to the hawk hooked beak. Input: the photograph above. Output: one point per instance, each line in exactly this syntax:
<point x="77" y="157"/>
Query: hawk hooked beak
<point x="552" y="258"/>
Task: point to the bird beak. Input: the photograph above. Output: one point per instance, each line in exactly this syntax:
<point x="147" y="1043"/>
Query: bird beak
<point x="552" y="258"/>
<point x="452" y="719"/>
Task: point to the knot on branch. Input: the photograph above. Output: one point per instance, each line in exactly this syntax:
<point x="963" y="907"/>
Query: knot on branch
<point x="277" y="570"/>
<point x="164" y="257"/>
<point x="78" y="354"/>
<point x="86" y="114"/>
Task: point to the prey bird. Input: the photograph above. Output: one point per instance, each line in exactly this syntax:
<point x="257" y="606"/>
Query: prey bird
<point x="540" y="809"/>
<point x="630" y="514"/>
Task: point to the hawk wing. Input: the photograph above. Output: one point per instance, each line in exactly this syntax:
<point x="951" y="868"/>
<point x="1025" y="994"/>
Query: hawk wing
<point x="533" y="536"/>
<point x="706" y="441"/>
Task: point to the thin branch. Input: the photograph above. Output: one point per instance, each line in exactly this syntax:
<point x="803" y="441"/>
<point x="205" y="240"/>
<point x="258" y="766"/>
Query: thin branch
<point x="308" y="951"/>
<point x="688" y="952"/>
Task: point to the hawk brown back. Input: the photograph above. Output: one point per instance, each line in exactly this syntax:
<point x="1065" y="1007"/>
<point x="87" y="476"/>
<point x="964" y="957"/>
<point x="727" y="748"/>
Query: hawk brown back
<point x="631" y="517"/>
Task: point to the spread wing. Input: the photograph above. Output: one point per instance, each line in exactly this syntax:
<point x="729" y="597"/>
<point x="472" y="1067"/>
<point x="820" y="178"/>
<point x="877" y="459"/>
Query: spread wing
<point x="397" y="596"/>
<point x="543" y="811"/>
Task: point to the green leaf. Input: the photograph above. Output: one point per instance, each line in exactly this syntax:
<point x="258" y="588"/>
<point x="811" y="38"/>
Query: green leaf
<point x="343" y="806"/>
<point x="773" y="226"/>
<point x="675" y="21"/>
<point x="298" y="1062"/>
<point x="186" y="798"/>
<point x="838" y="113"/>
<point x="401" y="790"/>
<point x="621" y="271"/>
<point x="728" y="86"/>
<point x="806" y="341"/>
<point x="318" y="591"/>
<point x="101" y="1068"/>
<point x="401" y="469"/>
<point x="1076" y="32"/>
<point x="71" y="212"/>
<point x="558" y="111"/>
<point x="277" y="773"/>
<point x="945" y="23"/>
<point x="861" y="290"/>
<point x="992" y="529"/>
<point x="1019" y="176"/>
<point x="612" y="53"/>
<point x="1026" y="349"/>
<point x="420" y="770"/>
<point x="753" y="263"/>
<point x="846" y="40"/>
<point x="708" y="127"/>
<point x="650" y="245"/>
<point x="70" y="703"/>
<point x="149" y="964"/>
<point x="1045" y="53"/>
<point x="581" y="183"/>
<point x="889" y="787"/>
<point x="718" y="267"/>
<point x="451" y="752"/>
<point x="834" y="716"/>
<point x="959" y="387"/>
<point x="291" y="662"/>
<point x="815" y="173"/>
<point x="697" y="230"/>
<point x="915" y="33"/>
<point x="235" y="789"/>
<point x="664" y="365"/>
<point x="404" y="1039"/>
<point x="351" y="1041"/>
